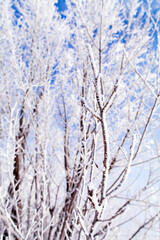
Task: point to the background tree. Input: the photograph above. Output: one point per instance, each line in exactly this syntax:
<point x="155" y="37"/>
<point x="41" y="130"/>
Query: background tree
<point x="79" y="120"/>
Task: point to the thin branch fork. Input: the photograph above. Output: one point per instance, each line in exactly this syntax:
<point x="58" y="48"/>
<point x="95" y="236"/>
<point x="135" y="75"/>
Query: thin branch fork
<point x="111" y="95"/>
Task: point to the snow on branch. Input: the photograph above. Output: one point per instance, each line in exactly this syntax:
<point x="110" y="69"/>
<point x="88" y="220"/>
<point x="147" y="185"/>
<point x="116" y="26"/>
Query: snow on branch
<point x="89" y="109"/>
<point x="136" y="71"/>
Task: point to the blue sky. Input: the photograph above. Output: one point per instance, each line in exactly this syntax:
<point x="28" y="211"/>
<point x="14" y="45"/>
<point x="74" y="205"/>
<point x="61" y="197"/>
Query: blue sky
<point x="155" y="5"/>
<point x="61" y="5"/>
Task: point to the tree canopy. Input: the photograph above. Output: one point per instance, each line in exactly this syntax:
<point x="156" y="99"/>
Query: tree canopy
<point x="79" y="123"/>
